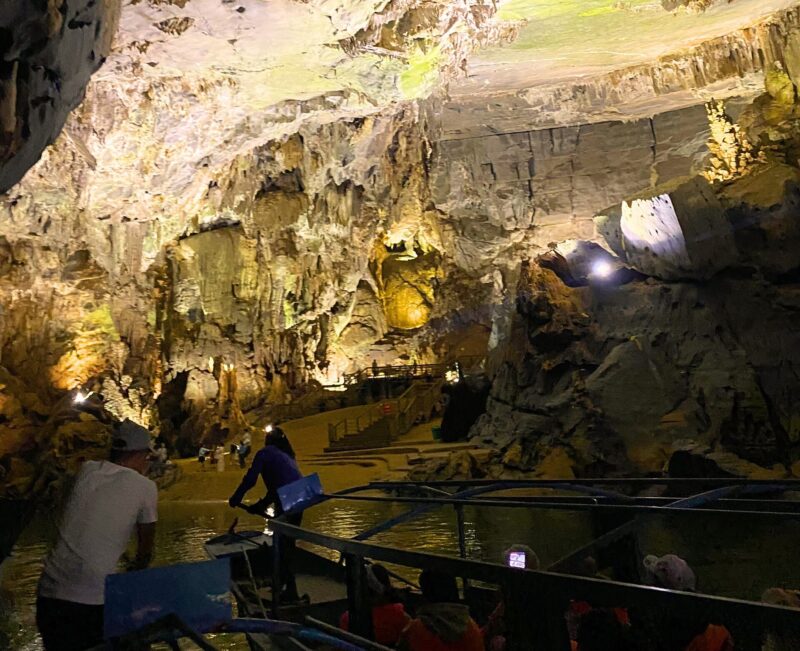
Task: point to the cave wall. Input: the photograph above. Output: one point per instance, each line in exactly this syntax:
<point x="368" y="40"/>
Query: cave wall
<point x="277" y="265"/>
<point x="530" y="188"/>
<point x="165" y="234"/>
<point x="221" y="214"/>
<point x="48" y="52"/>
<point x="615" y="379"/>
<point x="686" y="342"/>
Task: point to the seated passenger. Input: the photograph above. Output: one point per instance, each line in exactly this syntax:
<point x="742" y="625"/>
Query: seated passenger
<point x="671" y="572"/>
<point x="442" y="624"/>
<point x="781" y="640"/>
<point x="494" y="632"/>
<point x="782" y="597"/>
<point x="601" y="630"/>
<point x="578" y="608"/>
<point x="389" y="617"/>
<point x="683" y="633"/>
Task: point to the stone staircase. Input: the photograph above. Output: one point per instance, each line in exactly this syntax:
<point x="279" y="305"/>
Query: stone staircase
<point x="379" y="425"/>
<point x="372" y="385"/>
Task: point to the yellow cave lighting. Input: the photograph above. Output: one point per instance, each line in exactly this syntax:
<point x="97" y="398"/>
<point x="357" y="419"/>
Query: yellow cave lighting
<point x="406" y="307"/>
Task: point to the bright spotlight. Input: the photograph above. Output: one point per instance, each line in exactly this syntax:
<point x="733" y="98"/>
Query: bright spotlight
<point x="81" y="397"/>
<point x="601" y="269"/>
<point x="269" y="428"/>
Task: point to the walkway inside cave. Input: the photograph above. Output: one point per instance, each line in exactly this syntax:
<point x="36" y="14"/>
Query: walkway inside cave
<point x="309" y="437"/>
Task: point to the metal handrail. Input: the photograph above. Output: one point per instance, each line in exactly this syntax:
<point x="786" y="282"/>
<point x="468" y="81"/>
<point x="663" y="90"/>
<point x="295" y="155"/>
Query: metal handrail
<point x="434" y="502"/>
<point x="544" y="596"/>
<point x="309" y="402"/>
<point x="538" y="599"/>
<point x="401" y="407"/>
<point x="687" y="481"/>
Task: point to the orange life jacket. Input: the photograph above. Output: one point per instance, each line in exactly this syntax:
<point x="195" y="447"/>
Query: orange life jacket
<point x="417" y="637"/>
<point x="388" y="621"/>
<point x="714" y="638"/>
<point x="580" y="608"/>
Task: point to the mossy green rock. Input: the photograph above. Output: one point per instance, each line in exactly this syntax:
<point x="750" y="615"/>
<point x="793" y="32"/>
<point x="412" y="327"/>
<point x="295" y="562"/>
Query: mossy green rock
<point x="780" y="86"/>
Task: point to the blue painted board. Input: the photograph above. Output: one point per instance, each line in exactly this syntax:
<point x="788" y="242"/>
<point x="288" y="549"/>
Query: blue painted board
<point x="199" y="593"/>
<point x="301" y="494"/>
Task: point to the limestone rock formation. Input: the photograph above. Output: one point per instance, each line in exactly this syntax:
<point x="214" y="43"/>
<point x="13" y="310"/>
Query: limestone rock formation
<point x="48" y="51"/>
<point x="620" y="375"/>
<point x="695" y="231"/>
<point x="623" y="373"/>
<point x="42" y="444"/>
<point x="732" y="153"/>
<point x="689" y="5"/>
<point x="408" y="287"/>
<point x="267" y="196"/>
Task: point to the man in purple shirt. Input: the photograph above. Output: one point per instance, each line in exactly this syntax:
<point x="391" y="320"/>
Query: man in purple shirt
<point x="276" y="465"/>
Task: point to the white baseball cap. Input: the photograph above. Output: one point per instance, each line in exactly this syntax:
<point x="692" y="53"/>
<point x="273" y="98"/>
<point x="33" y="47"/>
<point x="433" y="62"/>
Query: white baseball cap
<point x="131" y="437"/>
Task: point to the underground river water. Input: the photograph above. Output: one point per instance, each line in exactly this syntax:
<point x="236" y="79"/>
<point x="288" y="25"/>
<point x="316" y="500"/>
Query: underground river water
<point x="737" y="558"/>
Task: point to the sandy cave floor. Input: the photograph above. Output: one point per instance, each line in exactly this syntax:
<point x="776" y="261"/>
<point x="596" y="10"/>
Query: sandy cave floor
<point x="309" y="436"/>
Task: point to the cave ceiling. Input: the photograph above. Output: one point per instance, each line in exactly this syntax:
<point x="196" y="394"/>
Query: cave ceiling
<point x="565" y="40"/>
<point x="577" y="61"/>
<point x="192" y="84"/>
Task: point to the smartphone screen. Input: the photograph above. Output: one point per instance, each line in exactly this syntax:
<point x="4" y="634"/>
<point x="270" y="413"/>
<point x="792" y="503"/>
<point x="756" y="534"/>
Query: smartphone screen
<point x="516" y="559"/>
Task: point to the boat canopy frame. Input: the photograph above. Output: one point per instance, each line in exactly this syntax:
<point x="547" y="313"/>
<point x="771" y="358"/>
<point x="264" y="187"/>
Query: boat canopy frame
<point x="537" y="600"/>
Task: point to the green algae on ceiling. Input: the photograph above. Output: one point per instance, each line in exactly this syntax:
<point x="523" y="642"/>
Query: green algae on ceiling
<point x="564" y="38"/>
<point x="421" y="74"/>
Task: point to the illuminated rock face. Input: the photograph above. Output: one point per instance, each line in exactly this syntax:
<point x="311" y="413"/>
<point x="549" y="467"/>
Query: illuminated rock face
<point x="679" y="234"/>
<point x="502" y="195"/>
<point x="618" y="378"/>
<point x="223" y="189"/>
<point x="695" y="230"/>
<point x="408" y="290"/>
<point x="624" y="373"/>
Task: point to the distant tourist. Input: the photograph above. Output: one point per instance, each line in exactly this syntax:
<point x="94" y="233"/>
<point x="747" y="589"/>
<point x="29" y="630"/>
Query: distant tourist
<point x="219" y="457"/>
<point x="389" y="616"/>
<point x="442" y="624"/>
<point x="159" y="460"/>
<point x="202" y="453"/>
<point x="276" y="465"/>
<point x="243" y="449"/>
<point x="108" y="502"/>
<point x="683" y="632"/>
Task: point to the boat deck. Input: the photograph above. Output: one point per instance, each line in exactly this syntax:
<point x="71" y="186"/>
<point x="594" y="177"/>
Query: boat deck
<point x="618" y="509"/>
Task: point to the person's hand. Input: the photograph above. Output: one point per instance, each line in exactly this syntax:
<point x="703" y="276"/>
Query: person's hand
<point x="233" y="502"/>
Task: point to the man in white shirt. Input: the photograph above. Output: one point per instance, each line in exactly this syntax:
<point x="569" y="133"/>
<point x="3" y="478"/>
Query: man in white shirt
<point x="109" y="501"/>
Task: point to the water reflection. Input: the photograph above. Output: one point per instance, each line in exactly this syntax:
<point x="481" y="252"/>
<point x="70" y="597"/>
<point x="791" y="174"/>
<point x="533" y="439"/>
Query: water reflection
<point x="728" y="554"/>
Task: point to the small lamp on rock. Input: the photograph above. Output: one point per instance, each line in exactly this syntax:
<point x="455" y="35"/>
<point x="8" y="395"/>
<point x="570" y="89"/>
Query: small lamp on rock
<point x="601" y="269"/>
